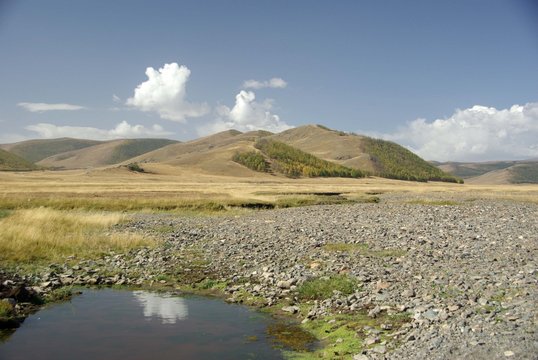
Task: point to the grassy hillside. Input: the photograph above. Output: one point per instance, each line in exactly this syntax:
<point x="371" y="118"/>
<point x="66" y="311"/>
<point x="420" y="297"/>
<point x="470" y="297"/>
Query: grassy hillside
<point x="284" y="159"/>
<point x="36" y="150"/>
<point x="373" y="156"/>
<point x="524" y="173"/>
<point x="12" y="162"/>
<point x="468" y="170"/>
<point x="393" y="161"/>
<point x="495" y="172"/>
<point x="103" y="154"/>
<point x="135" y="147"/>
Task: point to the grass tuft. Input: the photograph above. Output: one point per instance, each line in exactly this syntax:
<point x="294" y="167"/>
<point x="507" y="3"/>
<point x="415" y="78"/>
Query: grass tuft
<point x="4" y="213"/>
<point x="6" y="310"/>
<point x="323" y="287"/>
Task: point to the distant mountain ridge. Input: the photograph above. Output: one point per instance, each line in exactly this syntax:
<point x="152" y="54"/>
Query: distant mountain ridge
<point x="305" y="151"/>
<point x="36" y="150"/>
<point x="494" y="172"/>
<point x="103" y="153"/>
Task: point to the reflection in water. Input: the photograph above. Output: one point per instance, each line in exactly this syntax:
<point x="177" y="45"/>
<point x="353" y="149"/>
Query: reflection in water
<point x="168" y="309"/>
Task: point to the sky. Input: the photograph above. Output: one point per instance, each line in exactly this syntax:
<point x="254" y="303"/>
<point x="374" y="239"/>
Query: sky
<point x="451" y="80"/>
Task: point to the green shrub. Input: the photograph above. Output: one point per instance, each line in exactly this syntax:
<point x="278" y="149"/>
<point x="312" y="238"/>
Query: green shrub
<point x="322" y="288"/>
<point x="135" y="167"/>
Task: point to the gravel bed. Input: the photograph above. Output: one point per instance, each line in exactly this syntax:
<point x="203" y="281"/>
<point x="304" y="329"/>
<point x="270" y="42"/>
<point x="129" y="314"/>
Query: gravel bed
<point x="466" y="275"/>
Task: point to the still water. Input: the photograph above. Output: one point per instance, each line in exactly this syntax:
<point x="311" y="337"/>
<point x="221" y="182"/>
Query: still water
<point x="112" y="324"/>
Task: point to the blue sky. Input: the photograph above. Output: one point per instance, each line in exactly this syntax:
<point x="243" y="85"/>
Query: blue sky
<point x="440" y="77"/>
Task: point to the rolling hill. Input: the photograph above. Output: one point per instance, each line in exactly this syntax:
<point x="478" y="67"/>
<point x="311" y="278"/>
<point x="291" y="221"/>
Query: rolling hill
<point x="36" y="150"/>
<point x="375" y="156"/>
<point x="103" y="153"/>
<point x="358" y="154"/>
<point x="210" y="155"/>
<point x="306" y="151"/>
<point x="12" y="162"/>
<point x="495" y="172"/>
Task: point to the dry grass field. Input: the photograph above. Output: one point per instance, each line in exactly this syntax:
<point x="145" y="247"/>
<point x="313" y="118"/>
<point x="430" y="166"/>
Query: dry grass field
<point x="48" y="216"/>
<point x="120" y="189"/>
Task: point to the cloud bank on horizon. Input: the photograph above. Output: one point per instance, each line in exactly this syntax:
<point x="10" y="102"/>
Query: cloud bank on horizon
<point x="478" y="133"/>
<point x="123" y="130"/>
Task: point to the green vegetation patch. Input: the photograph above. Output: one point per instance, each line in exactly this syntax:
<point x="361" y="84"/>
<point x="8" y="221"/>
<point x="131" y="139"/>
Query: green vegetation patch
<point x="4" y="213"/>
<point x="6" y="310"/>
<point x="393" y="161"/>
<point x="60" y="294"/>
<point x="135" y="167"/>
<point x="291" y="336"/>
<point x="343" y="335"/>
<point x="323" y="287"/>
<point x="292" y="162"/>
<point x="254" y="160"/>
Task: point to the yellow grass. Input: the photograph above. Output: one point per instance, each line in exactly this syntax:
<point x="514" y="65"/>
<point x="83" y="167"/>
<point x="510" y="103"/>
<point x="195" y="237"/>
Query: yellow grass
<point x="171" y="187"/>
<point x="44" y="234"/>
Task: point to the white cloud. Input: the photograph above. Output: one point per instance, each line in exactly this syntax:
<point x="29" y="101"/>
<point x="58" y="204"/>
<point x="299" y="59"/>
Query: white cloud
<point x="246" y="115"/>
<point x="164" y="93"/>
<point x="276" y="83"/>
<point x="167" y="309"/>
<point x="41" y="107"/>
<point x="478" y="133"/>
<point x="122" y="130"/>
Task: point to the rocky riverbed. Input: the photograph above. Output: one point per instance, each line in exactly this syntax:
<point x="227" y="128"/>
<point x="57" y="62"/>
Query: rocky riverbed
<point x="462" y="278"/>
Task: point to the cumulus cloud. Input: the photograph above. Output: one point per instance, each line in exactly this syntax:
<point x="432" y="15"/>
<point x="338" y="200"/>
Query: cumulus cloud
<point x="478" y="133"/>
<point x="41" y="107"/>
<point x="122" y="130"/>
<point x="164" y="93"/>
<point x="276" y="83"/>
<point x="246" y="115"/>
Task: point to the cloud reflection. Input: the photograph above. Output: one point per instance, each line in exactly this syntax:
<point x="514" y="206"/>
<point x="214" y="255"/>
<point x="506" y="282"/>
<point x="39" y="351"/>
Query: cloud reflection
<point x="168" y="309"/>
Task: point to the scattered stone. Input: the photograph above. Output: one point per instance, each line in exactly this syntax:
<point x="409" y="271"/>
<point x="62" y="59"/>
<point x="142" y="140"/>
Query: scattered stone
<point x="291" y="309"/>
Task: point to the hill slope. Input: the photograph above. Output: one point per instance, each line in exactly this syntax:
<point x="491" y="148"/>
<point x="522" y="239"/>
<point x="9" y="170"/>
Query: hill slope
<point x="469" y="170"/>
<point x="12" y="162"/>
<point x="36" y="150"/>
<point x="378" y="157"/>
<point x="211" y="154"/>
<point x="277" y="157"/>
<point x="104" y="153"/>
<point x="519" y="172"/>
